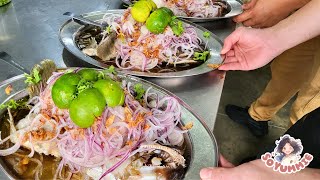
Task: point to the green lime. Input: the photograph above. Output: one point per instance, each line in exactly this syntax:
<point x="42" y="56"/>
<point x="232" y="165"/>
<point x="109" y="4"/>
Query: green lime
<point x="159" y="20"/>
<point x="63" y="90"/>
<point x="62" y="96"/>
<point x="154" y="6"/>
<point x="140" y="11"/>
<point x="88" y="74"/>
<point x="69" y="79"/>
<point x="151" y="5"/>
<point x="168" y="11"/>
<point x="89" y="105"/>
<point x="112" y="92"/>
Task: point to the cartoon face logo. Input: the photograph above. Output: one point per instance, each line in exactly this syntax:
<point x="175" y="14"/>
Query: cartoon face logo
<point x="286" y="156"/>
<point x="288" y="150"/>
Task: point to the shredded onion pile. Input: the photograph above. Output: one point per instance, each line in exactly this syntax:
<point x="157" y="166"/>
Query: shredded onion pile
<point x="191" y="8"/>
<point x="137" y="48"/>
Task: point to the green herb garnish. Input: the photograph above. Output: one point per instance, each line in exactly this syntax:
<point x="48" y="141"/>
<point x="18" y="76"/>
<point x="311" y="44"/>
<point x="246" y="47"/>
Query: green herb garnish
<point x="110" y="70"/>
<point x="176" y="26"/>
<point x="69" y="71"/>
<point x="206" y="34"/>
<point x="33" y="78"/>
<point x="138" y="88"/>
<point x="83" y="85"/>
<point x="201" y="56"/>
<point x="108" y="29"/>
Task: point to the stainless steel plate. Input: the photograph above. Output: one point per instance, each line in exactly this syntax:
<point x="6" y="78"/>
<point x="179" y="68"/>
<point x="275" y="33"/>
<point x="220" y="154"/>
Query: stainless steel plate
<point x="234" y="9"/>
<point x="69" y="29"/>
<point x="204" y="150"/>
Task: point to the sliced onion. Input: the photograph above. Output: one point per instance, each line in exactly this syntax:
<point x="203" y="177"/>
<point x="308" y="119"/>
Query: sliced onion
<point x="11" y="150"/>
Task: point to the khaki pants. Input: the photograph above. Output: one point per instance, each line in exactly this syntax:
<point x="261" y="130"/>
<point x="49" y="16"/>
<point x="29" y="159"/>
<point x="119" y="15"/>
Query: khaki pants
<point x="295" y="71"/>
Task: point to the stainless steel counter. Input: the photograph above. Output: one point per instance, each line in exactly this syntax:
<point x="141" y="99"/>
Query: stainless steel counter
<point x="29" y="33"/>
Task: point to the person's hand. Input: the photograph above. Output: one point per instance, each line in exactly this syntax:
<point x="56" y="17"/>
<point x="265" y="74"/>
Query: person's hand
<point x="224" y="163"/>
<point x="248" y="49"/>
<point x="266" y="13"/>
<point x="251" y="170"/>
<point x="255" y="170"/>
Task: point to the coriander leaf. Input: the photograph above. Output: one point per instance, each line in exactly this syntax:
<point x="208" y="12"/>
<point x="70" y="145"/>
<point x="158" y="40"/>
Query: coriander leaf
<point x="202" y="56"/>
<point x="12" y="104"/>
<point x="139" y="90"/>
<point x="206" y="34"/>
<point x="83" y="85"/>
<point x="111" y="70"/>
<point x="108" y="29"/>
<point x="29" y="78"/>
<point x="101" y="75"/>
<point x="33" y="78"/>
<point x="36" y="75"/>
<point x="69" y="71"/>
<point x="176" y="26"/>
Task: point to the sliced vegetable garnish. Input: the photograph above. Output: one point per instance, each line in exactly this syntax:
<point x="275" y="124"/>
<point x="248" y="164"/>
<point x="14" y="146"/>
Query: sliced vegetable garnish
<point x="206" y="34"/>
<point x="12" y="104"/>
<point x="111" y="70"/>
<point x="198" y="56"/>
<point x="83" y="85"/>
<point x="69" y="71"/>
<point x="176" y="26"/>
<point x="139" y="90"/>
<point x="104" y="73"/>
<point x="33" y="78"/>
<point x="108" y="29"/>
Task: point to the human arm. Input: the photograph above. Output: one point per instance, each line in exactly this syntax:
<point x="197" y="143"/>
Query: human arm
<point x="255" y="170"/>
<point x="258" y="170"/>
<point x="266" y="13"/>
<point x="299" y="27"/>
<point x="248" y="49"/>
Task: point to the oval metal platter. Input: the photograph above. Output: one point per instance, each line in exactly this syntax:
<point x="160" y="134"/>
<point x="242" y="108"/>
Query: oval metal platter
<point x="201" y="142"/>
<point x="234" y="8"/>
<point x="69" y="30"/>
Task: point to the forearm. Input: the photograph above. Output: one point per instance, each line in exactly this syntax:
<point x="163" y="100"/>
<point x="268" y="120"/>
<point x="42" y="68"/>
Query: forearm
<point x="300" y="3"/>
<point x="297" y="28"/>
<point x="292" y="5"/>
<point x="255" y="170"/>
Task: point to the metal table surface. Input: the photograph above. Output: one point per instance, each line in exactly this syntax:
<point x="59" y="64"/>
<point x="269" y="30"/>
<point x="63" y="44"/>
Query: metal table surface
<point x="29" y="33"/>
